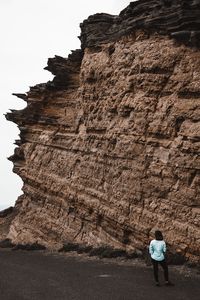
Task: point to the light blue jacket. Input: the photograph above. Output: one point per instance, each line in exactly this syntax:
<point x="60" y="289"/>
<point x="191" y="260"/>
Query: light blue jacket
<point x="157" y="249"/>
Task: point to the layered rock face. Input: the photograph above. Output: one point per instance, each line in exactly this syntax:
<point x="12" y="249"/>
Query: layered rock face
<point x="6" y="218"/>
<point x="109" y="150"/>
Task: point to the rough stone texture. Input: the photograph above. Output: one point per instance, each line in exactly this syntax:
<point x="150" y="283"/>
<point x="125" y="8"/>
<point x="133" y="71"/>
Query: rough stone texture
<point x="176" y="18"/>
<point x="6" y="217"/>
<point x="109" y="150"/>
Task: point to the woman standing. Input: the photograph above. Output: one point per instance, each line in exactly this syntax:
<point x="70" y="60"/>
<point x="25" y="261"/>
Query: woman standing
<point x="157" y="249"/>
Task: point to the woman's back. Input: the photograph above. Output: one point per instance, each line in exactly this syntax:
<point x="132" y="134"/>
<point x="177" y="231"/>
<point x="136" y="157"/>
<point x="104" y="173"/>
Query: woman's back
<point x="157" y="249"/>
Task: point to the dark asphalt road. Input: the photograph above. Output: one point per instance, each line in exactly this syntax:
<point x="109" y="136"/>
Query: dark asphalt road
<point x="38" y="276"/>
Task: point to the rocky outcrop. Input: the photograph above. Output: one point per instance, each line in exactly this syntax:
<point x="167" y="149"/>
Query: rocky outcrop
<point x="109" y="150"/>
<point x="176" y="18"/>
<point x="6" y="217"/>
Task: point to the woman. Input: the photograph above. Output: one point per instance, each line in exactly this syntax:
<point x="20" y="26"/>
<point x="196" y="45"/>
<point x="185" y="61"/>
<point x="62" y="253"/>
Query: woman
<point x="157" y="249"/>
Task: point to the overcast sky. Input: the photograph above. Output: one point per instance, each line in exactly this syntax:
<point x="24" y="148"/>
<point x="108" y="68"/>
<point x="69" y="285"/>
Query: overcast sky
<point x="31" y="31"/>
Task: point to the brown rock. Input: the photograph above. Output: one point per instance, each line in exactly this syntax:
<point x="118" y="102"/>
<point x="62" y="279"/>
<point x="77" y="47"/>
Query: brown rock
<point x="109" y="149"/>
<point x="6" y="217"/>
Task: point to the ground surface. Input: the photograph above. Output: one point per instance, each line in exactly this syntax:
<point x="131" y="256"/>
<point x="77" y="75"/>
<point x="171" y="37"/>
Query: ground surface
<point x="42" y="276"/>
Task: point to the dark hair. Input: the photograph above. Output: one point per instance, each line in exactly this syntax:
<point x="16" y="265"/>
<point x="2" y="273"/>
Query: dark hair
<point x="158" y="235"/>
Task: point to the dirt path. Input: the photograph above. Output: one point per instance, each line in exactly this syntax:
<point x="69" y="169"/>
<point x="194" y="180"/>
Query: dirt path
<point x="41" y="276"/>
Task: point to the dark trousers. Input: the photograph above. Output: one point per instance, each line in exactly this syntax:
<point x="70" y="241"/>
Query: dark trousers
<point x="163" y="264"/>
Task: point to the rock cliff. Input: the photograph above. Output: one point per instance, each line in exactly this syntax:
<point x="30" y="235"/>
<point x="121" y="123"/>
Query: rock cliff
<point x="6" y="217"/>
<point x="109" y="150"/>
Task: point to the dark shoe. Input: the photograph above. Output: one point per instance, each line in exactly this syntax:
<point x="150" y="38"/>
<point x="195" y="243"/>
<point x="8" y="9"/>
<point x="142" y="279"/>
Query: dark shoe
<point x="168" y="283"/>
<point x="157" y="283"/>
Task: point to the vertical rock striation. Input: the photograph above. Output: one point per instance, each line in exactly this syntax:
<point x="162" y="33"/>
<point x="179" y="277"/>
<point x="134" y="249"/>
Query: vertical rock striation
<point x="109" y="150"/>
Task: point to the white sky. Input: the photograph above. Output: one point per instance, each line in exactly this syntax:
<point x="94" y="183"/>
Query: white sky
<point x="31" y="31"/>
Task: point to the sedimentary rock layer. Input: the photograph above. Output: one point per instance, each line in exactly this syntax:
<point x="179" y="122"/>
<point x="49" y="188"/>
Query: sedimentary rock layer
<point x="177" y="18"/>
<point x="109" y="150"/>
<point x="6" y="217"/>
